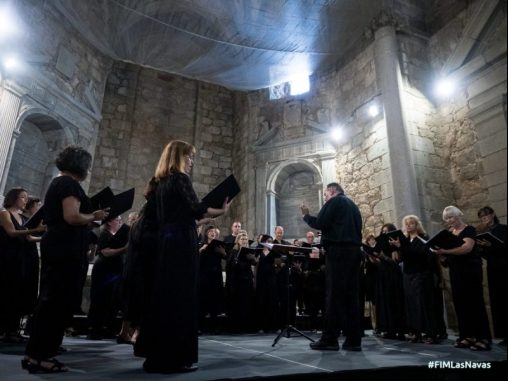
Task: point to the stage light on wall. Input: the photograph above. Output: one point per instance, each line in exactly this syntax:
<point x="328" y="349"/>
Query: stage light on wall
<point x="373" y="110"/>
<point x="337" y="133"/>
<point x="299" y="85"/>
<point x="445" y="87"/>
<point x="11" y="63"/>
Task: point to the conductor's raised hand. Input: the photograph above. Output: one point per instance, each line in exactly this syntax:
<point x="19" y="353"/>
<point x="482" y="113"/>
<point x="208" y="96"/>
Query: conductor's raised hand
<point x="304" y="209"/>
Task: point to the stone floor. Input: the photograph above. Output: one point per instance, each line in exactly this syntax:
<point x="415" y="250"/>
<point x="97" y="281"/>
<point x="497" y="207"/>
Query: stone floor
<point x="252" y="356"/>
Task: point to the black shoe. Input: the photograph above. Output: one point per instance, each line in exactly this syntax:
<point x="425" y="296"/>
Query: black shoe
<point x="353" y="348"/>
<point x="324" y="346"/>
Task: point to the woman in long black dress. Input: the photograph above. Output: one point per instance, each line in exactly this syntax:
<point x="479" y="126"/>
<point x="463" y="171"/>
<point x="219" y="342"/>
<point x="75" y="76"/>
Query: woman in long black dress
<point x="418" y="280"/>
<point x="242" y="285"/>
<point x="389" y="295"/>
<point x="67" y="214"/>
<point x="497" y="262"/>
<point x="139" y="266"/>
<point x="211" y="285"/>
<point x="106" y="280"/>
<point x="168" y="336"/>
<point x="267" y="303"/>
<point x="30" y="263"/>
<point x="466" y="277"/>
<point x="13" y="245"/>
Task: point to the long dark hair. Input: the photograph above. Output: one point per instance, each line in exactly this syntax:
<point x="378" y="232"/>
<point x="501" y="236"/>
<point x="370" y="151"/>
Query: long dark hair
<point x="12" y="196"/>
<point x="486" y="210"/>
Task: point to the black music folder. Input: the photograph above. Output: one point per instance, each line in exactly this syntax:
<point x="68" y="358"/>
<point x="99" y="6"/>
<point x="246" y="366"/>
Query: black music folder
<point x="228" y="188"/>
<point x="374" y="251"/>
<point x="217" y="243"/>
<point x="444" y="240"/>
<point x="397" y="234"/>
<point x="103" y="199"/>
<point x="287" y="249"/>
<point x="35" y="220"/>
<point x="122" y="202"/>
<point x="314" y="264"/>
<point x="121" y="237"/>
<point x="383" y="244"/>
<point x="244" y="251"/>
<point x="488" y="236"/>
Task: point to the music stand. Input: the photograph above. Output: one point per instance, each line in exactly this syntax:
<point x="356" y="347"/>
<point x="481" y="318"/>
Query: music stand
<point x="289" y="250"/>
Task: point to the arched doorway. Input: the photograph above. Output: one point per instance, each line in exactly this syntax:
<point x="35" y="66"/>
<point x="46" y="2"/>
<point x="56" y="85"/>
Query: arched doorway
<point x="31" y="166"/>
<point x="291" y="184"/>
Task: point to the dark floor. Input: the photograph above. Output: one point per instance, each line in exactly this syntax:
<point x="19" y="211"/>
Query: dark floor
<point x="252" y="356"/>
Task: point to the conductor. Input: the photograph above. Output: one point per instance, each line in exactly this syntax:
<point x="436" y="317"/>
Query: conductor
<point x="341" y="225"/>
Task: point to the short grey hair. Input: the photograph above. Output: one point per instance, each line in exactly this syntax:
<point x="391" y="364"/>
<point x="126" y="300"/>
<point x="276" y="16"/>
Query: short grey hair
<point x="452" y="211"/>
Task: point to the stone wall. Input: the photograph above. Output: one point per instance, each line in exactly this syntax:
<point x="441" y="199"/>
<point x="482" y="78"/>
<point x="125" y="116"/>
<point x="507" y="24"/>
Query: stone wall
<point x="470" y="131"/>
<point x="466" y="133"/>
<point x="145" y="109"/>
<point x="336" y="98"/>
<point x="29" y="161"/>
<point x="62" y="80"/>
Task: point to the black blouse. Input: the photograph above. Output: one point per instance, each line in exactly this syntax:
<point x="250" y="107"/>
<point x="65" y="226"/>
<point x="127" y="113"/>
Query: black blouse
<point x="177" y="202"/>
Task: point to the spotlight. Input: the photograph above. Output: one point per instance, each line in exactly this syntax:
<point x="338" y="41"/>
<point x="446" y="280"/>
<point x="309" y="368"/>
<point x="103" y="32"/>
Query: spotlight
<point x="373" y="110"/>
<point x="8" y="25"/>
<point x="336" y="134"/>
<point x="11" y="63"/>
<point x="445" y="87"/>
<point x="299" y="85"/>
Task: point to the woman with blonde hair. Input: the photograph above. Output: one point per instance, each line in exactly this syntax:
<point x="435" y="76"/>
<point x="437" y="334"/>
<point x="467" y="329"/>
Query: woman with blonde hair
<point x="241" y="286"/>
<point x="466" y="278"/>
<point x="418" y="281"/>
<point x="168" y="336"/>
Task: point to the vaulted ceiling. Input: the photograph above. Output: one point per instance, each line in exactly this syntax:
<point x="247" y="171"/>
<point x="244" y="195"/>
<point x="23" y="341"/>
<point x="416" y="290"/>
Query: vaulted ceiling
<point x="240" y="44"/>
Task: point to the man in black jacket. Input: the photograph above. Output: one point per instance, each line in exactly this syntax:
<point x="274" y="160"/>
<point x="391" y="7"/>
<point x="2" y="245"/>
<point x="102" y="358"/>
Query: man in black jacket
<point x="341" y="225"/>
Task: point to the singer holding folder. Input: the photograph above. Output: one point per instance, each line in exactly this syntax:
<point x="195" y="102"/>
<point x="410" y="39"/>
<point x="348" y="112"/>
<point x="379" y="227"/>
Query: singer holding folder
<point x="168" y="336"/>
<point x="13" y="248"/>
<point x="497" y="268"/>
<point x="67" y="214"/>
<point x="466" y="278"/>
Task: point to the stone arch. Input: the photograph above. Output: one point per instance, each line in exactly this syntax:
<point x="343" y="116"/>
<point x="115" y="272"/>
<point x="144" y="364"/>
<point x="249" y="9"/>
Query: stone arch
<point x="289" y="184"/>
<point x="37" y="138"/>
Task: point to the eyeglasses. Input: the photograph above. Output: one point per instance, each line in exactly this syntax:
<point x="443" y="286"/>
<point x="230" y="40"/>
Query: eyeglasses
<point x="190" y="157"/>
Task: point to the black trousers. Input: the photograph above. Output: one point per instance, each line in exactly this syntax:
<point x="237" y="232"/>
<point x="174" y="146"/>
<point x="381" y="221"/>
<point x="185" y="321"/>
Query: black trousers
<point x="60" y="287"/>
<point x="467" y="291"/>
<point x="342" y="312"/>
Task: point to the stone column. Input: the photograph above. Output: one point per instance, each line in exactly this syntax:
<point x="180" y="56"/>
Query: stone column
<point x="9" y="110"/>
<point x="389" y="78"/>
<point x="271" y="211"/>
<point x="329" y="170"/>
